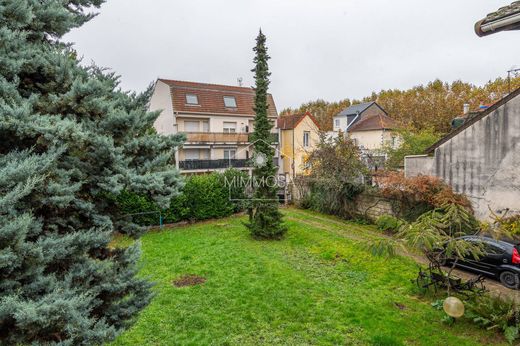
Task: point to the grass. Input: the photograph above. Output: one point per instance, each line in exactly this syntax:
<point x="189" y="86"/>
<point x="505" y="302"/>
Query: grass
<point x="318" y="286"/>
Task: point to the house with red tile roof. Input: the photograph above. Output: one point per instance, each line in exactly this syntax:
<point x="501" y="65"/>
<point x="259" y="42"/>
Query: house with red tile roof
<point x="217" y="121"/>
<point x="370" y="127"/>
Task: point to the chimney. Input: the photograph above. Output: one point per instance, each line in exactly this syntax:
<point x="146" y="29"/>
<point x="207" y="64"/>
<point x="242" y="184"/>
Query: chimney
<point x="466" y="108"/>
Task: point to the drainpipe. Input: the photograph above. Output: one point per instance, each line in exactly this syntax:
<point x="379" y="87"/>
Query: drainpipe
<point x="293" y="158"/>
<point x="176" y="130"/>
<point x="484" y="29"/>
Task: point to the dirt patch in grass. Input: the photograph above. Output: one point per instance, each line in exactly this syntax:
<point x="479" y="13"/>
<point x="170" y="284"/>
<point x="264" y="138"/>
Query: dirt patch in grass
<point x="400" y="306"/>
<point x="188" y="280"/>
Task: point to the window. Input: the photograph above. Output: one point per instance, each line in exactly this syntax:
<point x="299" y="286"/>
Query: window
<point x="191" y="154"/>
<point x="306" y="136"/>
<point x="230" y="102"/>
<point x="191" y="126"/>
<point x="205" y="126"/>
<point x="492" y="249"/>
<point x="192" y="99"/>
<point x="229" y="154"/>
<point x="336" y="122"/>
<point x="230" y="127"/>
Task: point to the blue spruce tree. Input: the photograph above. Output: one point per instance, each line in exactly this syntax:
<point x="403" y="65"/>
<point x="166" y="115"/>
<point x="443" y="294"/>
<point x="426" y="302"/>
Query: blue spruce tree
<point x="70" y="139"/>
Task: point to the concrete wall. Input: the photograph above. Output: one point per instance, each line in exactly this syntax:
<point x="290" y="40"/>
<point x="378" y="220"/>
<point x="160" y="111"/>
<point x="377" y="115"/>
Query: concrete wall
<point x="483" y="161"/>
<point x="415" y="165"/>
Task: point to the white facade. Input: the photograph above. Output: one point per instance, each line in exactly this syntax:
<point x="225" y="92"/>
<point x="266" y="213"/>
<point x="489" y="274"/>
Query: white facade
<point x="161" y="101"/>
<point x="211" y="136"/>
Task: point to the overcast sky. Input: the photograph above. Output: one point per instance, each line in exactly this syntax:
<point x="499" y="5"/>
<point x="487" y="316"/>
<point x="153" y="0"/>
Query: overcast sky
<point x="329" y="49"/>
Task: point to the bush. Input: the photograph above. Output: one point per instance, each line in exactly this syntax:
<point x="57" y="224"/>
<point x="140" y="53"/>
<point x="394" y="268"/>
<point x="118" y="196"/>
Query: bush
<point x="203" y="197"/>
<point x="330" y="196"/>
<point x="492" y="312"/>
<point x="207" y="197"/>
<point x="388" y="223"/>
<point x="235" y="190"/>
<point x="411" y="143"/>
<point x="143" y="210"/>
<point x="417" y="195"/>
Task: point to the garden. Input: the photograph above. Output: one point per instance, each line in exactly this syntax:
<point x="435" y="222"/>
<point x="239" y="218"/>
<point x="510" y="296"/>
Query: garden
<point x="84" y="174"/>
<point x="320" y="285"/>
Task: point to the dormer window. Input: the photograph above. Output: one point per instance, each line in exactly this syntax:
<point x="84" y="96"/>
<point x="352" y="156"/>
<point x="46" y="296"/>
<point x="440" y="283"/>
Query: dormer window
<point x="230" y="102"/>
<point x="192" y="99"/>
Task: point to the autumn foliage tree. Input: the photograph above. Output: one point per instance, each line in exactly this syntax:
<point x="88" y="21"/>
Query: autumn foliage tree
<point x="336" y="177"/>
<point x="430" y="106"/>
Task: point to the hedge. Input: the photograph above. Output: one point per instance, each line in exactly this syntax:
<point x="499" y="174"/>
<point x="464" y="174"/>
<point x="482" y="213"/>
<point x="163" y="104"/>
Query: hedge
<point x="203" y="197"/>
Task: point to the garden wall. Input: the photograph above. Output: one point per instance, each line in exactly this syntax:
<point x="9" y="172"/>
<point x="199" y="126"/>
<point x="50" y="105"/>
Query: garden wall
<point x="373" y="206"/>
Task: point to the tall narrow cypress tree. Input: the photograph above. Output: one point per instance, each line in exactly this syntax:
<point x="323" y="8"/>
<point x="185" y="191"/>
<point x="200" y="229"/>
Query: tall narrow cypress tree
<point x="265" y="220"/>
<point x="69" y="140"/>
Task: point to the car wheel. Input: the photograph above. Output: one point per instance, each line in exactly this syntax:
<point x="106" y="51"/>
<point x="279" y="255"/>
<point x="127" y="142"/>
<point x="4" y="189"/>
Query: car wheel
<point x="509" y="279"/>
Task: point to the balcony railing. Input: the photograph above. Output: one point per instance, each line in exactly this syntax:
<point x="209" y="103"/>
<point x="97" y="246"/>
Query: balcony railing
<point x="223" y="137"/>
<point x="214" y="164"/>
<point x="218" y="164"/>
<point x="219" y="137"/>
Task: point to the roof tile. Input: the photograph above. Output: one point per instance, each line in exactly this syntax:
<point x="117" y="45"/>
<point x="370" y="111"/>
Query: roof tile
<point x="374" y="122"/>
<point x="289" y="122"/>
<point x="355" y="109"/>
<point x="211" y="98"/>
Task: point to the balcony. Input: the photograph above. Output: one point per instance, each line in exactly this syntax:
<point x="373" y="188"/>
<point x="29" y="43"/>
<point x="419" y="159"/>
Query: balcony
<point x="214" y="164"/>
<point x="223" y="137"/>
<point x="216" y="137"/>
<point x="218" y="164"/>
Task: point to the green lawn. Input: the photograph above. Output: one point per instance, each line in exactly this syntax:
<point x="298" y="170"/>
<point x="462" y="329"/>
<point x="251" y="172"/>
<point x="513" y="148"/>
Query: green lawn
<point x="317" y="286"/>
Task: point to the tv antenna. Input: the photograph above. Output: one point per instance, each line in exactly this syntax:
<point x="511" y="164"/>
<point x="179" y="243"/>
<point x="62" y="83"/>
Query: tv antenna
<point x="512" y="71"/>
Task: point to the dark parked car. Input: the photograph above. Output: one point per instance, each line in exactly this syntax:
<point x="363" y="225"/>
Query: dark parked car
<point x="501" y="261"/>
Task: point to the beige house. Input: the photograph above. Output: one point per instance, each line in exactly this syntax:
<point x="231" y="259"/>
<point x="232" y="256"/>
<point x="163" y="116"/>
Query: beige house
<point x="374" y="132"/>
<point x="370" y="127"/>
<point x="217" y="121"/>
<point x="299" y="135"/>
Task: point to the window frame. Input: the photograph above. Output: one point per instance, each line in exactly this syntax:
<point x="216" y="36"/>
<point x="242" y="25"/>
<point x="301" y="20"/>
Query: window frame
<point x="230" y="98"/>
<point x="227" y="129"/>
<point x="191" y="150"/>
<point x="231" y="154"/>
<point x="187" y="96"/>
<point x="306" y="139"/>
<point x="191" y="122"/>
<point x="205" y="126"/>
